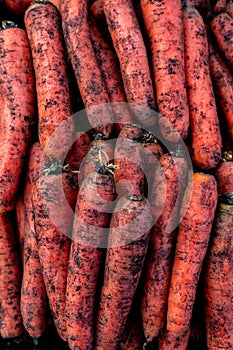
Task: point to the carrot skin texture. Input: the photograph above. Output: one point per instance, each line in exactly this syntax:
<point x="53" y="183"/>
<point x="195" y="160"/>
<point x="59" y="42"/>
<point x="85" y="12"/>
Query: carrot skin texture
<point x="127" y="245"/>
<point x="167" y="341"/>
<point x="158" y="264"/>
<point x="133" y="337"/>
<point x="11" y="324"/>
<point x="52" y="84"/>
<point x="33" y="303"/>
<point x="206" y="151"/>
<point x="77" y="36"/>
<point x="52" y="233"/>
<point x="197" y="212"/>
<point x="218" y="282"/>
<point x="17" y="105"/>
<point x="167" y="50"/>
<point x="129" y="46"/>
<point x="222" y="27"/>
<point x="92" y="217"/>
<point x="20" y="222"/>
<point x="224" y="177"/>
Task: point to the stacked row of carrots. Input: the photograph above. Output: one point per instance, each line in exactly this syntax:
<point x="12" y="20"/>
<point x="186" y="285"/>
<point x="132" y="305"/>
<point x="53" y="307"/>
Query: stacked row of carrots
<point x="102" y="219"/>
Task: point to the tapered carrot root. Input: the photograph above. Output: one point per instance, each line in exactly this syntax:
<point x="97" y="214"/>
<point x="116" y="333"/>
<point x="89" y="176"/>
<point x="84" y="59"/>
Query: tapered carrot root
<point x="224" y="174"/>
<point x="206" y="151"/>
<point x="128" y="43"/>
<point x="222" y="27"/>
<point x="55" y="125"/>
<point x="11" y="324"/>
<point x="223" y="83"/>
<point x="218" y="282"/>
<point x="76" y="29"/>
<point x="167" y="49"/>
<point x="17" y="101"/>
<point x="91" y="222"/>
<point x="33" y="302"/>
<point x="127" y="245"/>
<point x="198" y="208"/>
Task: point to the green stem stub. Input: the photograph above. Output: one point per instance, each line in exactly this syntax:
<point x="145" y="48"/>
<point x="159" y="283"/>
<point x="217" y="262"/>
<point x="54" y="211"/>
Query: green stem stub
<point x="8" y="24"/>
<point x="227" y="156"/>
<point x="35" y="341"/>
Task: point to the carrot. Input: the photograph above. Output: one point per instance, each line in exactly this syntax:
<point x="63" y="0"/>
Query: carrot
<point x="108" y="64"/>
<point x="167" y="50"/>
<point x="218" y="282"/>
<point x="224" y="174"/>
<point x="222" y="27"/>
<point x="128" y="43"/>
<point x="17" y="104"/>
<point x="76" y="29"/>
<point x="173" y="175"/>
<point x="19" y="211"/>
<point x="167" y="341"/>
<point x="206" y="151"/>
<point x="229" y="9"/>
<point x="223" y="84"/>
<point x="53" y="225"/>
<point x="33" y="303"/>
<point x="220" y="6"/>
<point x="129" y="174"/>
<point x="92" y="217"/>
<point x="127" y="245"/>
<point x="17" y="7"/>
<point x="43" y="25"/>
<point x="11" y="324"/>
<point x="197" y="212"/>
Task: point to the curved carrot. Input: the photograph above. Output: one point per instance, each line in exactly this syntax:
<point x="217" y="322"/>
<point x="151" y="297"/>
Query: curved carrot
<point x="44" y="30"/>
<point x="224" y="174"/>
<point x="130" y="48"/>
<point x="17" y="101"/>
<point x="167" y="49"/>
<point x="206" y="151"/>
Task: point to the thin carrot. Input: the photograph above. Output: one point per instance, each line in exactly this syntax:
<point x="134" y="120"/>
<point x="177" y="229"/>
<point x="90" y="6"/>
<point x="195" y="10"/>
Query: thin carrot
<point x="224" y="174"/>
<point x="76" y="29"/>
<point x="222" y="27"/>
<point x="44" y="30"/>
<point x="218" y="281"/>
<point x="127" y="245"/>
<point x="206" y="151"/>
<point x="17" y="105"/>
<point x="197" y="212"/>
<point x="130" y="48"/>
<point x="163" y="22"/>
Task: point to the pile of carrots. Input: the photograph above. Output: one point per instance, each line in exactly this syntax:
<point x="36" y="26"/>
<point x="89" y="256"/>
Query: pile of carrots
<point x="116" y="173"/>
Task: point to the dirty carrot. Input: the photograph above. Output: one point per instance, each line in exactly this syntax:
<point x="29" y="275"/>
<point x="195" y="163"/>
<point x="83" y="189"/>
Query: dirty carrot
<point x="224" y="173"/>
<point x="163" y="22"/>
<point x="127" y="246"/>
<point x="11" y="324"/>
<point x="17" y="101"/>
<point x="206" y="150"/>
<point x="90" y="228"/>
<point x="218" y="281"/>
<point x="130" y="48"/>
<point x="197" y="213"/>
<point x="44" y="30"/>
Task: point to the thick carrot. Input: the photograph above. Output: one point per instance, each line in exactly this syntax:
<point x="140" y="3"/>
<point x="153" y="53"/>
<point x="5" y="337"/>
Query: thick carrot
<point x="222" y="27"/>
<point x="53" y="225"/>
<point x="129" y="174"/>
<point x="218" y="282"/>
<point x="127" y="245"/>
<point x="130" y="48"/>
<point x="33" y="302"/>
<point x="20" y="221"/>
<point x="224" y="174"/>
<point x="76" y="29"/>
<point x="197" y="212"/>
<point x="223" y="84"/>
<point x="17" y="100"/>
<point x="163" y="22"/>
<point x="17" y="7"/>
<point x="92" y="218"/>
<point x="55" y="125"/>
<point x="206" y="151"/>
<point x="108" y="64"/>
<point x="229" y="9"/>
<point x="220" y="6"/>
<point x="11" y="324"/>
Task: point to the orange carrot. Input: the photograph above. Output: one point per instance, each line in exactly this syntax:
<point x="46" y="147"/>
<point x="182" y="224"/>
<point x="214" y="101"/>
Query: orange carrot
<point x="128" y="43"/>
<point x="163" y="22"/>
<point x="197" y="212"/>
<point x="17" y="101"/>
<point x="43" y="25"/>
<point x="206" y="151"/>
<point x="127" y="245"/>
<point x="224" y="174"/>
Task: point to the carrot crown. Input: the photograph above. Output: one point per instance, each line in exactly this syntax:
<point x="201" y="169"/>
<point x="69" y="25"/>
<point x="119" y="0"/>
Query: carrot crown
<point x="8" y="24"/>
<point x="227" y="156"/>
<point x="104" y="165"/>
<point x="149" y="138"/>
